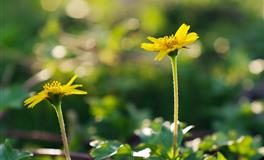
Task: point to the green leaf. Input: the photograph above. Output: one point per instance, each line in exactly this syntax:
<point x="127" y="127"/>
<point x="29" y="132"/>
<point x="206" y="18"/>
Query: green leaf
<point x="166" y="137"/>
<point x="244" y="145"/>
<point x="214" y="141"/>
<point x="220" y="156"/>
<point x="193" y="156"/>
<point x="8" y="153"/>
<point x="209" y="158"/>
<point x="183" y="131"/>
<point x="11" y="97"/>
<point x="158" y="136"/>
<point x="124" y="150"/>
<point x="110" y="148"/>
<point x="155" y="158"/>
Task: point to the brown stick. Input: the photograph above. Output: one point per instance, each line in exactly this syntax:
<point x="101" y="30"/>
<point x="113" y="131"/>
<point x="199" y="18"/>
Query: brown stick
<point x="35" y="135"/>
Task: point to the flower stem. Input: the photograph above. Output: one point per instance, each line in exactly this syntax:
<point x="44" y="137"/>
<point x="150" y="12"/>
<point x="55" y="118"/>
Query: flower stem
<point x="63" y="132"/>
<point x="173" y="59"/>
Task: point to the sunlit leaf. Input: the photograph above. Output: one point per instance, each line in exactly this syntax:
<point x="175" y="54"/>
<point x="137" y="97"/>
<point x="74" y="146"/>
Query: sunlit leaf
<point x="220" y="156"/>
<point x="105" y="150"/>
<point x="111" y="148"/>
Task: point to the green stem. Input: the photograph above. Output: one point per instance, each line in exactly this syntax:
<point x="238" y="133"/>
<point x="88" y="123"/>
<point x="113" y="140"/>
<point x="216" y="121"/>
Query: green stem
<point x="173" y="59"/>
<point x="63" y="132"/>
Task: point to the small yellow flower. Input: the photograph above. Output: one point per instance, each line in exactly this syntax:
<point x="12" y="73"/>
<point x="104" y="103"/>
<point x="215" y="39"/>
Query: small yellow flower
<point x="167" y="44"/>
<point x="54" y="88"/>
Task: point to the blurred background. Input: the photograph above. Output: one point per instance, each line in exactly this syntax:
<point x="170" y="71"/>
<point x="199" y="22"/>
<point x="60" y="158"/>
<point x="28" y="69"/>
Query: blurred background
<point x="221" y="82"/>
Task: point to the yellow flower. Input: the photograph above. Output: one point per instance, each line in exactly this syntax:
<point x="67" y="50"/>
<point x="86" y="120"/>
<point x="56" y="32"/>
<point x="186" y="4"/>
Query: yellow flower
<point x="54" y="88"/>
<point x="167" y="44"/>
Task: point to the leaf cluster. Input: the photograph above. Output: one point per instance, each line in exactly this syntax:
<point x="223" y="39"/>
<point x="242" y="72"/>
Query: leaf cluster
<point x="156" y="144"/>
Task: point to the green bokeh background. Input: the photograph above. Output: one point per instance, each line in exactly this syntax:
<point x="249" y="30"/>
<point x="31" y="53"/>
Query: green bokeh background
<point x="220" y="76"/>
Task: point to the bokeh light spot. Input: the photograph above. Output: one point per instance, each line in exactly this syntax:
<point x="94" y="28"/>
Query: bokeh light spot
<point x="50" y="5"/>
<point x="256" y="66"/>
<point x="221" y="45"/>
<point x="256" y="107"/>
<point x="132" y="24"/>
<point x="59" y="51"/>
<point x="77" y="9"/>
<point x="194" y="50"/>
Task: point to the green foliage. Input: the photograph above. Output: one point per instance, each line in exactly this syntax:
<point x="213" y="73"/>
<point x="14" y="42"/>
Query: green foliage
<point x="9" y="153"/>
<point x="229" y="117"/>
<point x="156" y="143"/>
<point x="245" y="147"/>
<point x="157" y="135"/>
<point x="219" y="156"/>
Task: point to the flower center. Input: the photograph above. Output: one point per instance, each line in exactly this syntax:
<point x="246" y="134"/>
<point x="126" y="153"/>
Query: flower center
<point x="54" y="87"/>
<point x="170" y="41"/>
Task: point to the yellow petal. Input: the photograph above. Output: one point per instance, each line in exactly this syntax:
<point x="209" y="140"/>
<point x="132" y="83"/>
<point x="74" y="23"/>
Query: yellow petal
<point x="152" y="39"/>
<point x="36" y="102"/>
<point x="33" y="98"/>
<point x="161" y="55"/>
<point x="32" y="101"/>
<point x="75" y="91"/>
<point x="182" y="32"/>
<point x="191" y="37"/>
<point x="76" y="86"/>
<point x="149" y="47"/>
<point x="72" y="80"/>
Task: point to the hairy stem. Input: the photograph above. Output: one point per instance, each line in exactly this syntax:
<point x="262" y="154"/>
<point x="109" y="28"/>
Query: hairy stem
<point x="173" y="59"/>
<point x="63" y="132"/>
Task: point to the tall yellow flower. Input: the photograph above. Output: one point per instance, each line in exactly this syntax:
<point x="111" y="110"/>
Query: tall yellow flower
<point x="167" y="44"/>
<point x="54" y="88"/>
